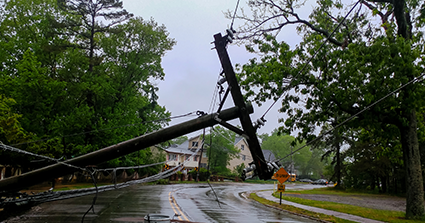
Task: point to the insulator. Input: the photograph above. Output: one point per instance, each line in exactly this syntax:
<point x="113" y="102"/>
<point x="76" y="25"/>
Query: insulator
<point x="230" y="33"/>
<point x="261" y="121"/>
<point x="221" y="81"/>
<point x="229" y="39"/>
<point x="270" y="166"/>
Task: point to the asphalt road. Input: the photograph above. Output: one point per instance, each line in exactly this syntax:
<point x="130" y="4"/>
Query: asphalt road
<point x="192" y="202"/>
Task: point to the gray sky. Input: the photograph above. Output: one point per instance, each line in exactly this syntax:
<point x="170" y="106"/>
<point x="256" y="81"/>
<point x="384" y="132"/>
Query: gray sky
<point x="191" y="68"/>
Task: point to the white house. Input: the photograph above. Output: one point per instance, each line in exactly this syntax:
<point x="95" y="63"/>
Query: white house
<point x="185" y="154"/>
<point x="244" y="155"/>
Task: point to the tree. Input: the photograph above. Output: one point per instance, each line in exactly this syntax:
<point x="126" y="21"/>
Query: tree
<point x="83" y="94"/>
<point x="365" y="60"/>
<point x="89" y="12"/>
<point x="282" y="145"/>
<point x="374" y="163"/>
<point x="221" y="150"/>
<point x="332" y="144"/>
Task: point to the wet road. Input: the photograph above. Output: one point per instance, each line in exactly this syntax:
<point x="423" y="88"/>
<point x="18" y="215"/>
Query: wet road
<point x="193" y="202"/>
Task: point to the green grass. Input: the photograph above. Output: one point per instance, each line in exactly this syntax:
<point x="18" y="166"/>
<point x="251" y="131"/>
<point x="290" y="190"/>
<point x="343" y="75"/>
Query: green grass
<point x="380" y="215"/>
<point x="298" y="211"/>
<point x="78" y="186"/>
<point x="260" y="181"/>
<point x="335" y="191"/>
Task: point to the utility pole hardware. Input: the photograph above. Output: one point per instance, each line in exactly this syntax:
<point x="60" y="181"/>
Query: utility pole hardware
<point x="249" y="132"/>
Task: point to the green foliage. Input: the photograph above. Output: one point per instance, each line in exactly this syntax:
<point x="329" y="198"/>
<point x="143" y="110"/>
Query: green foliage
<point x="221" y="150"/>
<point x="307" y="165"/>
<point x="324" y="84"/>
<point x="238" y="171"/>
<point x="82" y="89"/>
<point x="204" y="174"/>
<point x="10" y="128"/>
<point x="162" y="182"/>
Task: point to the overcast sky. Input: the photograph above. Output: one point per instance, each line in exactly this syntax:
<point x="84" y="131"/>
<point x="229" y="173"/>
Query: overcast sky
<point x="191" y="68"/>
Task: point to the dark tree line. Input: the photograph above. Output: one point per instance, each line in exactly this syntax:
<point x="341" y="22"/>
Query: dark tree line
<point x="375" y="51"/>
<point x="79" y="73"/>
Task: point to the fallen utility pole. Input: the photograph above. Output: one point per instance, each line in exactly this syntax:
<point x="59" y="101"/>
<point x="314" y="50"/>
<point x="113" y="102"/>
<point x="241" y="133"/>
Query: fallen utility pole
<point x="249" y="132"/>
<point x="25" y="180"/>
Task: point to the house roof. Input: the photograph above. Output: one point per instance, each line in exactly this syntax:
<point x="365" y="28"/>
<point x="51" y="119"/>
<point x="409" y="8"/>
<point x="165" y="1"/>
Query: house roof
<point x="237" y="139"/>
<point x="181" y="149"/>
<point x="268" y="155"/>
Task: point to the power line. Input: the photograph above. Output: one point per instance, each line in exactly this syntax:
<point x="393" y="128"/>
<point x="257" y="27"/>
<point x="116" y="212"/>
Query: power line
<point x="355" y="115"/>
<point x="234" y="15"/>
<point x="214" y="97"/>
<point x="13" y="149"/>
<point x="314" y="55"/>
<point x="128" y="167"/>
<point x="106" y="129"/>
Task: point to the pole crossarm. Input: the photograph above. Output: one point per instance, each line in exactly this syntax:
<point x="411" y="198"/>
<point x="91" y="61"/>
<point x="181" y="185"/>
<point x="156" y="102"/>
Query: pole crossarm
<point x="25" y="180"/>
<point x="220" y="43"/>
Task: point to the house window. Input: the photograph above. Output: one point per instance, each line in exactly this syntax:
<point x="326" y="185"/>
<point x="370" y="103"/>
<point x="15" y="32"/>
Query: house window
<point x="243" y="157"/>
<point x="204" y="155"/>
<point x="242" y="147"/>
<point x="194" y="144"/>
<point x="187" y="157"/>
<point x="195" y="158"/>
<point x="172" y="157"/>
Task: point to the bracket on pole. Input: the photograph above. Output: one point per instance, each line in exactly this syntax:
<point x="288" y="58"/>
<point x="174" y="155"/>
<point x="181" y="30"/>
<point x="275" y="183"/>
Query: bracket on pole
<point x="263" y="171"/>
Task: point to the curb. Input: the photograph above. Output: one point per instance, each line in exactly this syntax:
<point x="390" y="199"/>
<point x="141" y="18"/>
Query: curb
<point x="283" y="210"/>
<point x="336" y="214"/>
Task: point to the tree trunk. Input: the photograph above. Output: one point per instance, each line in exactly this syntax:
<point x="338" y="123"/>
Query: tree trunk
<point x="337" y="147"/>
<point x="412" y="163"/>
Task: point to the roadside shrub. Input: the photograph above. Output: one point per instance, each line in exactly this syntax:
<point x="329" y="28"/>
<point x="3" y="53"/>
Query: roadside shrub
<point x="238" y="170"/>
<point x="204" y="174"/>
<point x="162" y="182"/>
<point x="192" y="173"/>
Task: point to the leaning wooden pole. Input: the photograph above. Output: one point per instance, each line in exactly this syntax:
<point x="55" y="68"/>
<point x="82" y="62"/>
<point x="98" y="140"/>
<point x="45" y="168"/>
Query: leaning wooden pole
<point x="248" y="129"/>
<point x="25" y="180"/>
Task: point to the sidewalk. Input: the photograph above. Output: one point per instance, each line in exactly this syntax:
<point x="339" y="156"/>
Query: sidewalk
<point x="268" y="195"/>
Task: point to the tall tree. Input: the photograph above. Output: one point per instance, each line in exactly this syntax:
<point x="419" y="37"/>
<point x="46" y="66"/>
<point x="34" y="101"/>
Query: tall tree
<point x="90" y="11"/>
<point x="332" y="144"/>
<point x="370" y="56"/>
<point x="221" y="150"/>
<point x="281" y="146"/>
<point x="47" y="72"/>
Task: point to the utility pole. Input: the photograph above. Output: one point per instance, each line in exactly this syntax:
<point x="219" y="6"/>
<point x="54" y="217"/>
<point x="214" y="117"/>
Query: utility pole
<point x="25" y="180"/>
<point x="249" y="132"/>
<point x="200" y="157"/>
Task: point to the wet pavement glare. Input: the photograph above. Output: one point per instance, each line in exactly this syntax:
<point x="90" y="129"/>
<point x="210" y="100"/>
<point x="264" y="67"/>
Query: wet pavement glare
<point x="193" y="202"/>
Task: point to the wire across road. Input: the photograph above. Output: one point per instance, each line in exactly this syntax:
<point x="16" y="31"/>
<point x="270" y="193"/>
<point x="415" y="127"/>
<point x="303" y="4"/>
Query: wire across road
<point x="193" y="202"/>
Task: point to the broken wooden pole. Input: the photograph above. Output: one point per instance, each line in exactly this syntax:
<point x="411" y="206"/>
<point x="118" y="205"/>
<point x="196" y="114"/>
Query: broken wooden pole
<point x="249" y="130"/>
<point x="25" y="180"/>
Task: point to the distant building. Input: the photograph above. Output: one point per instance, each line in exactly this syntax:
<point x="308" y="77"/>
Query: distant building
<point x="268" y="155"/>
<point x="244" y="155"/>
<point x="185" y="154"/>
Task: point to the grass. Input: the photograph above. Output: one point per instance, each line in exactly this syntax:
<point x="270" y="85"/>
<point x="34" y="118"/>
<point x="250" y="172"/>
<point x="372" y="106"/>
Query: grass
<point x="77" y="186"/>
<point x="380" y="215"/>
<point x="298" y="211"/>
<point x="334" y="191"/>
<point x="260" y="181"/>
